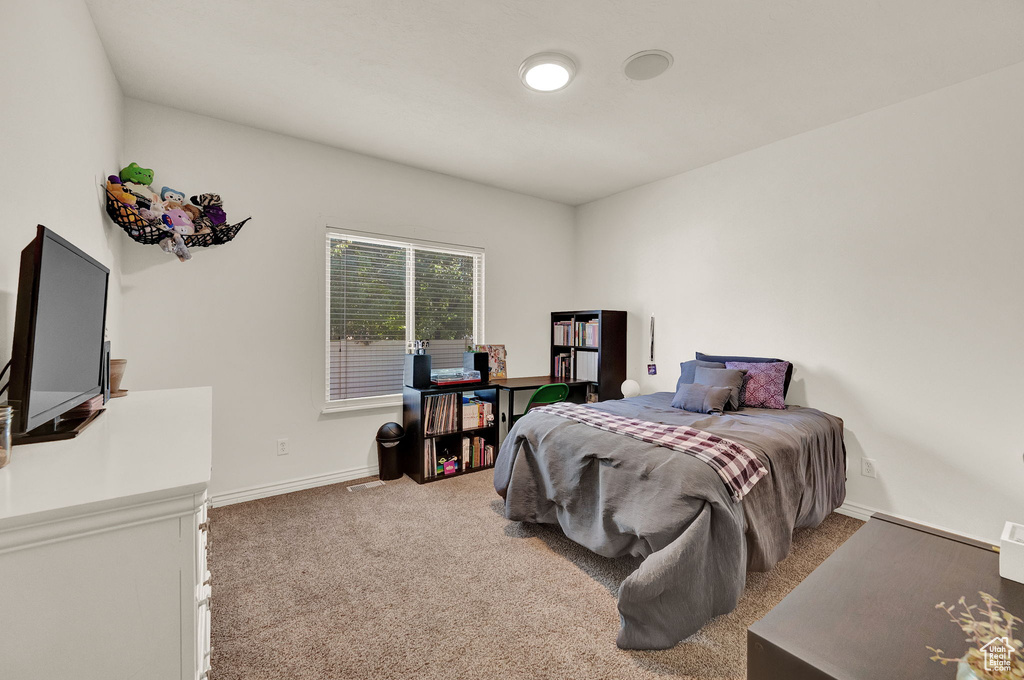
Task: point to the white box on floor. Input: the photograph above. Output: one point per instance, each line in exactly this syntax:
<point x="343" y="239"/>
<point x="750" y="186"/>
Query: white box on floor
<point x="1011" y="552"/>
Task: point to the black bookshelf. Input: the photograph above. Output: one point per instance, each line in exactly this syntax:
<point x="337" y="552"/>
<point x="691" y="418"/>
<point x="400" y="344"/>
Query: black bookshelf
<point x="447" y="442"/>
<point x="610" y="349"/>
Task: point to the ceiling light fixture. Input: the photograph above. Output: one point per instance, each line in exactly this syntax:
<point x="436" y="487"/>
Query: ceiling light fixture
<point x="547" y="72"/>
<point x="646" y="65"/>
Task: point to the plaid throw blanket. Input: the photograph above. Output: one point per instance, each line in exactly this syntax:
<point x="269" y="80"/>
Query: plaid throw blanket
<point x="737" y="465"/>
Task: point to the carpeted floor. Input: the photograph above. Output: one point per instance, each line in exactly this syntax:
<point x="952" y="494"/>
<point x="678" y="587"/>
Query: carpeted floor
<point x="406" y="581"/>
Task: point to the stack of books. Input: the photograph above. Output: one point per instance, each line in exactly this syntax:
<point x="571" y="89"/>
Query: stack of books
<point x="440" y="460"/>
<point x="563" y="366"/>
<point x="476" y="413"/>
<point x="476" y="452"/>
<point x="576" y="334"/>
<point x="586" y="366"/>
<point x="586" y="334"/>
<point x="562" y="333"/>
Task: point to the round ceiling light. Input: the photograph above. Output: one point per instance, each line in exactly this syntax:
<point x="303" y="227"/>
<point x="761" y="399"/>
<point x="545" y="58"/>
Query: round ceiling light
<point x="547" y="72"/>
<point x="646" y="65"/>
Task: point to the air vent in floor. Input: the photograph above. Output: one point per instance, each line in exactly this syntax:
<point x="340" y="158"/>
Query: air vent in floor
<point x="364" y="486"/>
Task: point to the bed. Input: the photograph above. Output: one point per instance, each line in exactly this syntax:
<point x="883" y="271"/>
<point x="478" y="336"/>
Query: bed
<point x="618" y="496"/>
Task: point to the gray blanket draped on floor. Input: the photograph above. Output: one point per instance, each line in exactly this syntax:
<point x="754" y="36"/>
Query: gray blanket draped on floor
<point x="620" y="496"/>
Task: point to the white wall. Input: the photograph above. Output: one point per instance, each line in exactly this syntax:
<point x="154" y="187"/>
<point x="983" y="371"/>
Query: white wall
<point x="882" y="255"/>
<point x="60" y="136"/>
<point x="246" y="317"/>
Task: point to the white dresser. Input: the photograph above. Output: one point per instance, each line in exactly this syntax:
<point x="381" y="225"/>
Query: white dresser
<point x="103" y="546"/>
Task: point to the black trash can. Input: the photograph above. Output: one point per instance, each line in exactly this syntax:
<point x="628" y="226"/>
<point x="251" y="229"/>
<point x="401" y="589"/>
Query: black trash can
<point x="388" y="437"/>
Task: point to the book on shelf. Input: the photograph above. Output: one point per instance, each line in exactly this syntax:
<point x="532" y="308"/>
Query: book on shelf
<point x="476" y="452"/>
<point x="573" y="365"/>
<point x="563" y="366"/>
<point x="562" y="334"/>
<point x="476" y="413"/>
<point x="576" y="334"/>
<point x="586" y="366"/>
<point x="440" y="459"/>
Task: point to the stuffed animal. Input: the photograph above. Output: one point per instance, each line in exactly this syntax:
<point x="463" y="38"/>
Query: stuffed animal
<point x="193" y="212"/>
<point x="212" y="206"/>
<point x="202" y="224"/>
<point x="143" y="191"/>
<point x="168" y="194"/>
<point x="178" y="220"/>
<point x="175" y="244"/>
<point x="150" y="215"/>
<point x="133" y="173"/>
<point x="120" y="193"/>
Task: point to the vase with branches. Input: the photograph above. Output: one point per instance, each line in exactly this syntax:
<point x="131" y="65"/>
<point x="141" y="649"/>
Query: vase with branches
<point x="984" y="625"/>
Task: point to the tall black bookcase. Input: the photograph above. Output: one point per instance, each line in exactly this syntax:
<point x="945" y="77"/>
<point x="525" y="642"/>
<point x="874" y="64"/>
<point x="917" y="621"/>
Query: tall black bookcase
<point x="446" y="440"/>
<point x="610" y="348"/>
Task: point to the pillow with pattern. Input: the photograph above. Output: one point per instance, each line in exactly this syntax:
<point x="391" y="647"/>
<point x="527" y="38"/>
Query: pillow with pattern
<point x="764" y="384"/>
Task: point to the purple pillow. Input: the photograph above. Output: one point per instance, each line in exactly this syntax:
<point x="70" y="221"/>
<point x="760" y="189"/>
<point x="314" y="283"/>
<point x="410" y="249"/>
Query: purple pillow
<point x="764" y="383"/>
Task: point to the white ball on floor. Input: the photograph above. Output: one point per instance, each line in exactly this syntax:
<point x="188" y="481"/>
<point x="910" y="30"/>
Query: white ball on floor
<point x="630" y="388"/>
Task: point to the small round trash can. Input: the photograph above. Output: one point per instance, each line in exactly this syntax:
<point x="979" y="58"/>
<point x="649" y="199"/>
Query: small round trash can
<point x="388" y="437"/>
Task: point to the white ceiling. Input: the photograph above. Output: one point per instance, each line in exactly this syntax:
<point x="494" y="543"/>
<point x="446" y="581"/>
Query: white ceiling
<point x="435" y="84"/>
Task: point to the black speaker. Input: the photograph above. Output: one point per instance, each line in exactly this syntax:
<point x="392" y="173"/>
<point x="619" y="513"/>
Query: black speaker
<point x="476" y="361"/>
<point x="417" y="371"/>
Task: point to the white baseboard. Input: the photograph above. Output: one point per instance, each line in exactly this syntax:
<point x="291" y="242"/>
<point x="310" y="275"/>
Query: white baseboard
<point x="863" y="513"/>
<point x="857" y="511"/>
<point x="255" y="492"/>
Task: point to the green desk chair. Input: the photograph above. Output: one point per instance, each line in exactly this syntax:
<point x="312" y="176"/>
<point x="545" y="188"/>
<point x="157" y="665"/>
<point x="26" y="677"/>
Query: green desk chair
<point x="545" y="394"/>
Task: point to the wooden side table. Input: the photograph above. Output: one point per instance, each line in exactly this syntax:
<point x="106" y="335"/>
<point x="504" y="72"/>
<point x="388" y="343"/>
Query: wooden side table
<point x="868" y="611"/>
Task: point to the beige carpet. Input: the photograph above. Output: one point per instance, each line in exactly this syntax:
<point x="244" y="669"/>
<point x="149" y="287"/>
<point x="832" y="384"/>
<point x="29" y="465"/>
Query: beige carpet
<point x="406" y="581"/>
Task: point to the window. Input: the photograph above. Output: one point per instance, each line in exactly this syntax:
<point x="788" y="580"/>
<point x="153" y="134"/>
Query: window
<point x="383" y="294"/>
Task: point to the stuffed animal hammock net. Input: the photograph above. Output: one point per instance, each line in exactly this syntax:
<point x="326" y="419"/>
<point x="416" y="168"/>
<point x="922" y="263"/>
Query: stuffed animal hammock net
<point x="151" y="232"/>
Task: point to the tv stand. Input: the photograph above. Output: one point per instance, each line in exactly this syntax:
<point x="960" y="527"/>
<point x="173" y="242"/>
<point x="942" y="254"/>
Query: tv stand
<point x="103" y="538"/>
<point x="59" y="428"/>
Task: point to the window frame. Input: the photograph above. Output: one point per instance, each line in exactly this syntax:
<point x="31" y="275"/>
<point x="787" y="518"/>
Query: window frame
<point x="410" y="245"/>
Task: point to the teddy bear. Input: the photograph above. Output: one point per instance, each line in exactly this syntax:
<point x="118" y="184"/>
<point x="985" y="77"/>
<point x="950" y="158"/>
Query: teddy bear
<point x="120" y="193"/>
<point x="193" y="212"/>
<point x="133" y="173"/>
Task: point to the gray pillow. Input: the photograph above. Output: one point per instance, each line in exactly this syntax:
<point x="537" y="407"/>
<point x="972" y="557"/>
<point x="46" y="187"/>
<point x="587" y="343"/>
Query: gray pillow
<point x="701" y="398"/>
<point x="687" y="368"/>
<point x="722" y="377"/>
<point x="753" y="360"/>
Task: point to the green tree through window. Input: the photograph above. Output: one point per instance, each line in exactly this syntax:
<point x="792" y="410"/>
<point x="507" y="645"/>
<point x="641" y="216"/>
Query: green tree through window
<point x="444" y="296"/>
<point x="373" y="286"/>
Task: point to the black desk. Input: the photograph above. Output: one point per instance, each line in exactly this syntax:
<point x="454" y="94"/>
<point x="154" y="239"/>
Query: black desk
<point x="868" y="611"/>
<point x="577" y="390"/>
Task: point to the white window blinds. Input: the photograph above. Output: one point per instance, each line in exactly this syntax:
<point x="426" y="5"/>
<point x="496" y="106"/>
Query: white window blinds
<point x="382" y="295"/>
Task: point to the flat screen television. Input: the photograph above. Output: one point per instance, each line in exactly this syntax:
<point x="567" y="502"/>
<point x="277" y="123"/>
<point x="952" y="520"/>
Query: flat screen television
<point x="57" y="360"/>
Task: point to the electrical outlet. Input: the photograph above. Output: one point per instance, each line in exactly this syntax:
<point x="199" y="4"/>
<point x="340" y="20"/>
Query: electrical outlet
<point x="282" y="447"/>
<point x="867" y="467"/>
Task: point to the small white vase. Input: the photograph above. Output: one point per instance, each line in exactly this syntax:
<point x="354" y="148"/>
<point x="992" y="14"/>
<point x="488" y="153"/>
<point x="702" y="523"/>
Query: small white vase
<point x="965" y="672"/>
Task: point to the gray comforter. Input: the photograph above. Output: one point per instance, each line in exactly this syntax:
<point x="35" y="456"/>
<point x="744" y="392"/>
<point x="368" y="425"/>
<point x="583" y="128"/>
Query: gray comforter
<point x="620" y="496"/>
